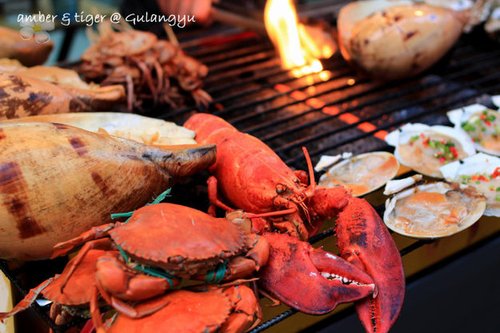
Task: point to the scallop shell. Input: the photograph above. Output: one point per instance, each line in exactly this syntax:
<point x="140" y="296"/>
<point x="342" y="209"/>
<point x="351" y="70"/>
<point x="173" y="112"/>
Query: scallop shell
<point x="363" y="173"/>
<point x="420" y="158"/>
<point x="433" y="210"/>
<point x="486" y="135"/>
<point x="479" y="164"/>
<point x="125" y="125"/>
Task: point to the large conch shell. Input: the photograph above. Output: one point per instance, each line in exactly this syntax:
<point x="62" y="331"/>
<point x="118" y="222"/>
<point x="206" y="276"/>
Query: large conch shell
<point x="27" y="51"/>
<point x="57" y="181"/>
<point x="130" y="126"/>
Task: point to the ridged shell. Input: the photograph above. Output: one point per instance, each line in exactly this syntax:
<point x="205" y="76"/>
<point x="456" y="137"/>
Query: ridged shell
<point x="125" y="125"/>
<point x="433" y="210"/>
<point x="57" y="181"/>
<point x="363" y="173"/>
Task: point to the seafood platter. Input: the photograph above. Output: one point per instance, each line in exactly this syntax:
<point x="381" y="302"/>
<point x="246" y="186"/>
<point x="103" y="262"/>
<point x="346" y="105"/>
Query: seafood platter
<point x="281" y="171"/>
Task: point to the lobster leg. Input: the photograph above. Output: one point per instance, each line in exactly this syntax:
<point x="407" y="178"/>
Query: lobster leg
<point x="27" y="300"/>
<point x="214" y="198"/>
<point x="311" y="280"/>
<point x="364" y="241"/>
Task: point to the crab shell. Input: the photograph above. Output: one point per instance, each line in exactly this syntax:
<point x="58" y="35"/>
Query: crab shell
<point x="363" y="173"/>
<point x="488" y="140"/>
<point x="434" y="210"/>
<point x="479" y="164"/>
<point x="178" y="238"/>
<point x="217" y="310"/>
<point x="125" y="125"/>
<point x="418" y="158"/>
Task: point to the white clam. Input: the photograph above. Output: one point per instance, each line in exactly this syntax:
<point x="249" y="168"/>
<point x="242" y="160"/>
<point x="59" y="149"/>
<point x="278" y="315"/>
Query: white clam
<point x="363" y="173"/>
<point x="481" y="124"/>
<point x="478" y="171"/>
<point x="426" y="148"/>
<point x="126" y="125"/>
<point x="433" y="210"/>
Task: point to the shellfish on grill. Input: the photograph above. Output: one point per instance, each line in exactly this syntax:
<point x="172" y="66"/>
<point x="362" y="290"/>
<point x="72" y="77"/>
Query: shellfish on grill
<point x="481" y="171"/>
<point x="418" y="35"/>
<point x="481" y="124"/>
<point x="363" y="173"/>
<point x="434" y="210"/>
<point x="426" y="148"/>
<point x="130" y="126"/>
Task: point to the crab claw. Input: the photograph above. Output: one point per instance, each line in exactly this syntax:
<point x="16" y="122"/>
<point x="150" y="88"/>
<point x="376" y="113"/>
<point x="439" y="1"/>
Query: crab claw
<point x="364" y="241"/>
<point x="311" y="280"/>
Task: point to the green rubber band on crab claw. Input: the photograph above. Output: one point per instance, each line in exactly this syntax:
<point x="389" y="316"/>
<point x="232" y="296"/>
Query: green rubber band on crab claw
<point x="156" y="273"/>
<point x="115" y="216"/>
<point x="217" y="275"/>
<point x="162" y="196"/>
<point x="123" y="253"/>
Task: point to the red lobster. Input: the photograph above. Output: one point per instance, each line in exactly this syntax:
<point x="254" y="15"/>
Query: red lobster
<point x="250" y="176"/>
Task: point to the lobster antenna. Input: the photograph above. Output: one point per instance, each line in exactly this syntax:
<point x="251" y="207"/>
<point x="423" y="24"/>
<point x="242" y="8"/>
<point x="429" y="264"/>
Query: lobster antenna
<point x="171" y="35"/>
<point x="309" y="168"/>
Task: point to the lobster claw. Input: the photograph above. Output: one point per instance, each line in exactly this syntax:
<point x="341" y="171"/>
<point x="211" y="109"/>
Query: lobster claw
<point x="365" y="242"/>
<point x="311" y="280"/>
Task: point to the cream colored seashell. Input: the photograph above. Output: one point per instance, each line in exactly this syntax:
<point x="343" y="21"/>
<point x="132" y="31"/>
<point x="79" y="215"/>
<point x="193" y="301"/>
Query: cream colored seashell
<point x="126" y="125"/>
<point x="396" y="39"/>
<point x="420" y="157"/>
<point x="363" y="173"/>
<point x="478" y="165"/>
<point x="433" y="210"/>
<point x="485" y="133"/>
<point x="57" y="181"/>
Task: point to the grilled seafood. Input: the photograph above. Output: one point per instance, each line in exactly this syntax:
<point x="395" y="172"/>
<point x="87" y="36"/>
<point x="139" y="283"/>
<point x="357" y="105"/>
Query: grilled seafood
<point x="57" y="181"/>
<point x="252" y="177"/>
<point x="150" y="69"/>
<point x="49" y="90"/>
<point x="27" y="51"/>
<point x="130" y="126"/>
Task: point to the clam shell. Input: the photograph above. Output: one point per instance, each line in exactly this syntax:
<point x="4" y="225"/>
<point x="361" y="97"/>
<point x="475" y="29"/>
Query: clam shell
<point x="433" y="210"/>
<point x="485" y="137"/>
<point x="363" y="173"/>
<point x="125" y="125"/>
<point x="420" y="158"/>
<point x="479" y="164"/>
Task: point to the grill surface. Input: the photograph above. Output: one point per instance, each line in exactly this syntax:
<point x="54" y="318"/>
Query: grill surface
<point x="330" y="113"/>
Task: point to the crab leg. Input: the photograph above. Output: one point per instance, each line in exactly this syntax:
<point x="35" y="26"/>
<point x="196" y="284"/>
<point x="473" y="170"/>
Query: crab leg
<point x="27" y="300"/>
<point x="364" y="241"/>
<point x="311" y="280"/>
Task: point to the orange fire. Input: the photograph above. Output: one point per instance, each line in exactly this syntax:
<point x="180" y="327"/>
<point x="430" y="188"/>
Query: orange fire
<point x="296" y="46"/>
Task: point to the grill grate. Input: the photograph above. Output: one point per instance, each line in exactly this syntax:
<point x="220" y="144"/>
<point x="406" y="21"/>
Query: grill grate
<point x="329" y="114"/>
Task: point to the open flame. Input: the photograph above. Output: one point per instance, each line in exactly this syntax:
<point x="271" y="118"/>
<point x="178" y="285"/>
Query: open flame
<point x="297" y="48"/>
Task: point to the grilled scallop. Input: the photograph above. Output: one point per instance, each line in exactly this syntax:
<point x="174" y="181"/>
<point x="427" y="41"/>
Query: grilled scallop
<point x="481" y="124"/>
<point x="425" y="149"/>
<point x="434" y="210"/>
<point x="481" y="171"/>
<point x="57" y="181"/>
<point x="363" y="173"/>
